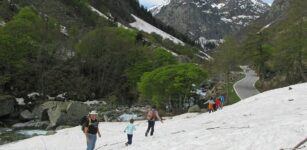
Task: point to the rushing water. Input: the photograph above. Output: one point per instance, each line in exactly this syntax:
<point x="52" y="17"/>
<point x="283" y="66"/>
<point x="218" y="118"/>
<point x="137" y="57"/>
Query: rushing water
<point x="8" y="135"/>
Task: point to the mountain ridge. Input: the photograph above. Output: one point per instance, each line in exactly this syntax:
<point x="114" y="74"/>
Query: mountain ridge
<point x="207" y="22"/>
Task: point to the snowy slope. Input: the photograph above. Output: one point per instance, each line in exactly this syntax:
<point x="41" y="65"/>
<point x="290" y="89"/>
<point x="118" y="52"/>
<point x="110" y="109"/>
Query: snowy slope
<point x="268" y="121"/>
<point x="107" y="17"/>
<point x="146" y="27"/>
<point x="98" y="12"/>
<point x="141" y="25"/>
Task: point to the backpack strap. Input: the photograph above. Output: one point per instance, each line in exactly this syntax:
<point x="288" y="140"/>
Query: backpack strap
<point x="89" y="121"/>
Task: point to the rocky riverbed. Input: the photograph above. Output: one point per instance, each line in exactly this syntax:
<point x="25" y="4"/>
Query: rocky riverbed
<point x="22" y="118"/>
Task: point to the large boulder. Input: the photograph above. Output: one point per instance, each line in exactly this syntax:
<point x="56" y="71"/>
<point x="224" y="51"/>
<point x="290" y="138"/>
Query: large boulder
<point x="62" y="113"/>
<point x="7" y="104"/>
<point x="194" y="108"/>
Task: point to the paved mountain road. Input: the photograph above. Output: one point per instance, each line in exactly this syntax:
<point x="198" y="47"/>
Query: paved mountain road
<point x="246" y="87"/>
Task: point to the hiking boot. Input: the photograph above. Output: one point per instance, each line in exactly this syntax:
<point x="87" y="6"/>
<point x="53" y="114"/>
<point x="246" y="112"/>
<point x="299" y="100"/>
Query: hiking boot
<point x="146" y="134"/>
<point x="126" y="144"/>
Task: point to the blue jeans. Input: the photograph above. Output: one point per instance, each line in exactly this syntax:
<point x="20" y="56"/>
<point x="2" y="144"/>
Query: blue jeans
<point x="151" y="127"/>
<point x="91" y="141"/>
<point x="129" y="139"/>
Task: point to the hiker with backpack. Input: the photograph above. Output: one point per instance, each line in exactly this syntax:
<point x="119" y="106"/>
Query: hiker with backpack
<point x="152" y="116"/>
<point x="129" y="129"/>
<point x="222" y="98"/>
<point x="90" y="129"/>
<point x="217" y="103"/>
<point x="210" y="103"/>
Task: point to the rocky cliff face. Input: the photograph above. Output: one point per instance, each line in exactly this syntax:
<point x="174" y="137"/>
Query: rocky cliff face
<point x="208" y="21"/>
<point x="278" y="10"/>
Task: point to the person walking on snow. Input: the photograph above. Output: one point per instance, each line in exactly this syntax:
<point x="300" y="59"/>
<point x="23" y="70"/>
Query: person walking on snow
<point x="152" y="116"/>
<point x="129" y="129"/>
<point x="91" y="130"/>
<point x="217" y="103"/>
<point x="222" y="98"/>
<point x="210" y="103"/>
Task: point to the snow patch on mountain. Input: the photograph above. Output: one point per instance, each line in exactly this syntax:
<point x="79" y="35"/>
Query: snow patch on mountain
<point x="156" y="9"/>
<point x="218" y="6"/>
<point x="146" y="27"/>
<point x="64" y="30"/>
<point x="20" y="101"/>
<point x="204" y="56"/>
<point x="173" y="53"/>
<point x="207" y="11"/>
<point x="266" y="26"/>
<point x="2" y="23"/>
<point x="203" y="41"/>
<point x="271" y="120"/>
<point x="226" y="20"/>
<point x="98" y="12"/>
<point x="108" y="17"/>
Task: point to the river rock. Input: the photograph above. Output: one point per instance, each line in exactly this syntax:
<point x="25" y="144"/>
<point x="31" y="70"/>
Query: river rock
<point x="7" y="104"/>
<point x="105" y="118"/>
<point x="62" y="113"/>
<point x="26" y="115"/>
<point x="194" y="108"/>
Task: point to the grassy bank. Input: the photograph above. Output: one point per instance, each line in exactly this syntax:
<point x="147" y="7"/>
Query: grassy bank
<point x="233" y="97"/>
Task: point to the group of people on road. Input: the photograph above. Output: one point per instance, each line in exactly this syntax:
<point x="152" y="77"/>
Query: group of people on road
<point x="90" y="127"/>
<point x="215" y="104"/>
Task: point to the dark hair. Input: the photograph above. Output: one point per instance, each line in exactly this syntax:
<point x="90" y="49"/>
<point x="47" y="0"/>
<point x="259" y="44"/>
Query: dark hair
<point x="131" y="120"/>
<point x="154" y="107"/>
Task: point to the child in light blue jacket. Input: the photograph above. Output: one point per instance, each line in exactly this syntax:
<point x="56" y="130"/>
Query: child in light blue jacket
<point x="129" y="129"/>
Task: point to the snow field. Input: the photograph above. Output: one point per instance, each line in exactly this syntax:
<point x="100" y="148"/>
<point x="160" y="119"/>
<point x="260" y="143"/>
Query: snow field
<point x="269" y="121"/>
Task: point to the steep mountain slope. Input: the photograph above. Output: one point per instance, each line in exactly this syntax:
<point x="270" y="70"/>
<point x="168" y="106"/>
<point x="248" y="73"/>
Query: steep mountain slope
<point x="278" y="10"/>
<point x="276" y="14"/>
<point x="272" y="120"/>
<point x="69" y="12"/>
<point x="208" y="21"/>
<point x="275" y="44"/>
<point x="138" y="24"/>
<point x="146" y="27"/>
<point x="61" y="32"/>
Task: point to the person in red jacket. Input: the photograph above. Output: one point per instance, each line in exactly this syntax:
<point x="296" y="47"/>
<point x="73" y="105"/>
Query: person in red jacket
<point x="217" y="103"/>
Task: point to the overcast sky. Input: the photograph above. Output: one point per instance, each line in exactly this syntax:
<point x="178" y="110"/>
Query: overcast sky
<point x="150" y="3"/>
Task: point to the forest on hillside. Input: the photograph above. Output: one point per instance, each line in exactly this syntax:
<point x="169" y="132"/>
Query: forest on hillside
<point x="83" y="55"/>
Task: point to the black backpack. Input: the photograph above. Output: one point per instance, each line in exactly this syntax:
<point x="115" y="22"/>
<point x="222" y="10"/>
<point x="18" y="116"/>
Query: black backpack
<point x="83" y="121"/>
